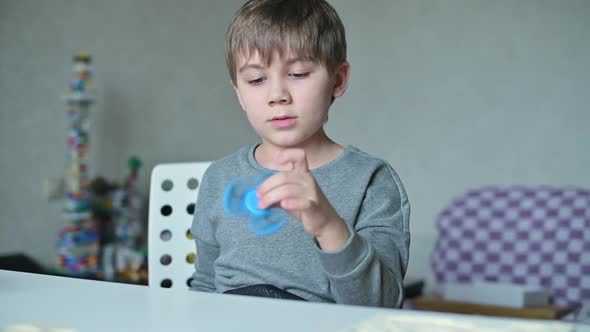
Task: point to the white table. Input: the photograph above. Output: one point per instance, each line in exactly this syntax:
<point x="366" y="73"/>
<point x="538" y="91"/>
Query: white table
<point x="85" y="305"/>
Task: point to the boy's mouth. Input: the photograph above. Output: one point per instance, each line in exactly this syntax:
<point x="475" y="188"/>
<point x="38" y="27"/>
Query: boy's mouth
<point x="283" y="121"/>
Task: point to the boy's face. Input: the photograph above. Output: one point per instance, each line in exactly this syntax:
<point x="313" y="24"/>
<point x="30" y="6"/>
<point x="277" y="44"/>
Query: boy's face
<point x="287" y="101"/>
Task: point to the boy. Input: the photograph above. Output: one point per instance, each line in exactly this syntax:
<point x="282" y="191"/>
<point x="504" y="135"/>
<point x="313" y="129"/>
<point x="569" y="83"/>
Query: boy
<point x="347" y="236"/>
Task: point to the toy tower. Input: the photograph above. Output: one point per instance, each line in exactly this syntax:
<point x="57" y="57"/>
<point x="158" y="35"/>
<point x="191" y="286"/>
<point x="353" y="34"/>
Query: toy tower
<point x="78" y="244"/>
<point x="126" y="255"/>
<point x="127" y="203"/>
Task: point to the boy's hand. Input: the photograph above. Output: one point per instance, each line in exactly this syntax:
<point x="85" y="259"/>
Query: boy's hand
<point x="297" y="192"/>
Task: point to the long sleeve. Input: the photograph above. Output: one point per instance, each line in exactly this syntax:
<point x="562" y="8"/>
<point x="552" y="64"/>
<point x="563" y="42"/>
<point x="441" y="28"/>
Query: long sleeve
<point x="204" y="275"/>
<point x="203" y="229"/>
<point x="369" y="269"/>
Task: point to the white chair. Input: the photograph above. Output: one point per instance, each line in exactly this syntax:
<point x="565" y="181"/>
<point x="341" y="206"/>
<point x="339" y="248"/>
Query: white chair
<point x="171" y="247"/>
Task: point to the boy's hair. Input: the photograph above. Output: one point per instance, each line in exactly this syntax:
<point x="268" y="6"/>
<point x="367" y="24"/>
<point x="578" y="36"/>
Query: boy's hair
<point x="311" y="29"/>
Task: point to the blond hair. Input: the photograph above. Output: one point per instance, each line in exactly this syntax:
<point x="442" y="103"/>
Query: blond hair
<point x="310" y="29"/>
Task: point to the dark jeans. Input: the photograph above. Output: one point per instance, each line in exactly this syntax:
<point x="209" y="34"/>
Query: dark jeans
<point x="264" y="291"/>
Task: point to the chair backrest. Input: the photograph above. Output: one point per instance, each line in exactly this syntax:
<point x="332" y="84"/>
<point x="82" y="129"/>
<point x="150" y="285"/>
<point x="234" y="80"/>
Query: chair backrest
<point x="518" y="235"/>
<point x="171" y="247"/>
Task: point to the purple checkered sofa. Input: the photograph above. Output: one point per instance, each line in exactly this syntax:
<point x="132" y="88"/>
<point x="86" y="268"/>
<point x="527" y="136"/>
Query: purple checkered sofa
<point x="520" y="235"/>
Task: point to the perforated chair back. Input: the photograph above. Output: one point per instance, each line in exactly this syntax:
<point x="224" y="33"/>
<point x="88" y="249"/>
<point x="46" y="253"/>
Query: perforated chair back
<point x="518" y="235"/>
<point x="171" y="247"/>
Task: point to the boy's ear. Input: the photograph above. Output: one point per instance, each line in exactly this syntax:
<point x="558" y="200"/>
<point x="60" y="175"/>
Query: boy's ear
<point x="341" y="78"/>
<point x="239" y="96"/>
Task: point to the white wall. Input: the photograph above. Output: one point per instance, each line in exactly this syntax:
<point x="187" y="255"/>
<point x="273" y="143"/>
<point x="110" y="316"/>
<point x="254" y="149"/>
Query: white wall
<point x="459" y="94"/>
<point x="454" y="94"/>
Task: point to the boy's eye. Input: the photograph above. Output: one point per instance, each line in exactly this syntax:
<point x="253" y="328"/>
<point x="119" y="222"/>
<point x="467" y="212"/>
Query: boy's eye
<point x="298" y="75"/>
<point x="257" y="81"/>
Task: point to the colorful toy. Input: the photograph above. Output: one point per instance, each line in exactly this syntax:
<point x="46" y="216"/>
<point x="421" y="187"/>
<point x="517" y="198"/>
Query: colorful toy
<point x="239" y="200"/>
<point x="124" y="256"/>
<point x="127" y="201"/>
<point x="78" y="242"/>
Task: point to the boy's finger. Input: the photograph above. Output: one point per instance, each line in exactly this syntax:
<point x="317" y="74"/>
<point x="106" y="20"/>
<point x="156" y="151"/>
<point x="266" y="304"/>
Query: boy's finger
<point x="295" y="157"/>
<point x="270" y="183"/>
<point x="294" y="204"/>
<point x="276" y="195"/>
<point x="274" y="181"/>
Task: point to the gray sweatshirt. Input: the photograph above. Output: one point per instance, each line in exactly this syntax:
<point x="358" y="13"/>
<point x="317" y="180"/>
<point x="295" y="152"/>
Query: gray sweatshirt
<point x="367" y="194"/>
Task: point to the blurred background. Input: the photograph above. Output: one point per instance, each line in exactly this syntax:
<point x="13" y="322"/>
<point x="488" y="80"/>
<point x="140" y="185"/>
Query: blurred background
<point x="455" y="95"/>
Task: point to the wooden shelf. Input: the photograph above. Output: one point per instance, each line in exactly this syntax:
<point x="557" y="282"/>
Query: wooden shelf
<point x="442" y="305"/>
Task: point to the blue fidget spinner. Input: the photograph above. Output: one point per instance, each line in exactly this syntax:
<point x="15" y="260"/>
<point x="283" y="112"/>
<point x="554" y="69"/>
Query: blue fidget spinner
<point x="239" y="200"/>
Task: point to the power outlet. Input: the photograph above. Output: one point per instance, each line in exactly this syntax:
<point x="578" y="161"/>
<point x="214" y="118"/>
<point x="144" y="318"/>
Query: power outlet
<point x="53" y="188"/>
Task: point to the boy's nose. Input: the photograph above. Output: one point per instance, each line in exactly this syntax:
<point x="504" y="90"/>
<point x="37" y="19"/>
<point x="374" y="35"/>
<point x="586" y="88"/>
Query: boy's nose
<point x="278" y="96"/>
